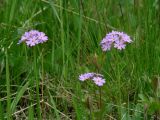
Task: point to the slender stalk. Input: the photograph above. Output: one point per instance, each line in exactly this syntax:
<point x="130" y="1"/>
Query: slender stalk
<point x="8" y="88"/>
<point x="30" y="110"/>
<point x="1" y="111"/>
<point x="119" y="89"/>
<point x="79" y="30"/>
<point x="42" y="79"/>
<point x="62" y="37"/>
<point x="100" y="97"/>
<point x="90" y="109"/>
<point x="26" y="56"/>
<point x="37" y="86"/>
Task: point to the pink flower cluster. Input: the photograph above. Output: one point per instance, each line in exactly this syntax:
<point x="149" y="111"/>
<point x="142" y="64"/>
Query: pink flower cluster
<point x="116" y="39"/>
<point x="33" y="37"/>
<point x="97" y="78"/>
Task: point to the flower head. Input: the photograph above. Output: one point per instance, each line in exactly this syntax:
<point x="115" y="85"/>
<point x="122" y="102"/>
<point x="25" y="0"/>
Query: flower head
<point x="33" y="37"/>
<point x="97" y="78"/>
<point x="86" y="76"/>
<point x="115" y="38"/>
<point x="99" y="81"/>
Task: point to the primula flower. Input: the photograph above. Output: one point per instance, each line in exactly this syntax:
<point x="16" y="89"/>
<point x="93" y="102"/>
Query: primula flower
<point x="99" y="81"/>
<point x="86" y="76"/>
<point x="119" y="45"/>
<point x="97" y="78"/>
<point x="115" y="38"/>
<point x="33" y="37"/>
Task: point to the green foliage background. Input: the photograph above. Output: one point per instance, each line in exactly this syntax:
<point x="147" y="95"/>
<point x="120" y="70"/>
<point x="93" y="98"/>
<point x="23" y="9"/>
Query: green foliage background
<point x="75" y="29"/>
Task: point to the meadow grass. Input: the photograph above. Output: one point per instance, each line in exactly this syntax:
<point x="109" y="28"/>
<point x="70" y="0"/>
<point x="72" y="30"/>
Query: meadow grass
<point x="42" y="82"/>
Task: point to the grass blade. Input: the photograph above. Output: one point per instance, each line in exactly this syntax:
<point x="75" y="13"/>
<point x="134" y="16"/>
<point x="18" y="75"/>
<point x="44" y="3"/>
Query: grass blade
<point x="53" y="104"/>
<point x="18" y="96"/>
<point x="1" y="111"/>
<point x="8" y="88"/>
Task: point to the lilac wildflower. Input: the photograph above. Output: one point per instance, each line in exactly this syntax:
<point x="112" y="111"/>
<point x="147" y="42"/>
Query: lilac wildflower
<point x="119" y="45"/>
<point x="33" y="37"/>
<point x="86" y="76"/>
<point x="115" y="38"/>
<point x="99" y="81"/>
<point x="97" y="78"/>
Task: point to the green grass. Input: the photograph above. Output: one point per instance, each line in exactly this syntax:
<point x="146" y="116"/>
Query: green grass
<point x="44" y="83"/>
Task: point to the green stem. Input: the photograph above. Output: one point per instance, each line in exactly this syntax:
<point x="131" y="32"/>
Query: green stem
<point x="42" y="80"/>
<point x="8" y="89"/>
<point x="62" y="38"/>
<point x="1" y="111"/>
<point x="90" y="110"/>
<point x="100" y="97"/>
<point x="37" y="86"/>
<point x="119" y="89"/>
<point x="79" y="30"/>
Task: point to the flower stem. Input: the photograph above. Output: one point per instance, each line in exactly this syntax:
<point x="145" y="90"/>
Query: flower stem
<point x="37" y="86"/>
<point x="100" y="97"/>
<point x="119" y="89"/>
<point x="8" y="88"/>
<point x="42" y="79"/>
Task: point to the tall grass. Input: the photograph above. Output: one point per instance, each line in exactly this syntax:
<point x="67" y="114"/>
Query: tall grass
<point x="8" y="88"/>
<point x="75" y="29"/>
